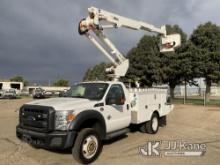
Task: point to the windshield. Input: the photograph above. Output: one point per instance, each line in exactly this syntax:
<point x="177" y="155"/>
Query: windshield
<point x="91" y="91"/>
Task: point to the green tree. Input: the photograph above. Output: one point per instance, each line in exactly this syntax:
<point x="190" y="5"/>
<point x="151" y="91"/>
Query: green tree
<point x="150" y="66"/>
<point x="19" y="79"/>
<point x="97" y="72"/>
<point x="175" y="66"/>
<point x="144" y="62"/>
<point x="207" y="39"/>
<point x="61" y="83"/>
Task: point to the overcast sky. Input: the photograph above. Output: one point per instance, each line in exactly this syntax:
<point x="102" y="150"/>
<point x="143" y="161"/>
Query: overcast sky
<point x="39" y="38"/>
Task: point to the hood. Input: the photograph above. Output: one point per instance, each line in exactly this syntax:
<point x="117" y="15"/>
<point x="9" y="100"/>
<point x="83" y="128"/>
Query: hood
<point x="62" y="103"/>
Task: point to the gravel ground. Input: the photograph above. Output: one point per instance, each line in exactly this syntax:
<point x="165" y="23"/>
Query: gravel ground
<point x="189" y="123"/>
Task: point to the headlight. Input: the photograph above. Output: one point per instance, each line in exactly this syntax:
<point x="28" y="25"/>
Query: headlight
<point x="63" y="119"/>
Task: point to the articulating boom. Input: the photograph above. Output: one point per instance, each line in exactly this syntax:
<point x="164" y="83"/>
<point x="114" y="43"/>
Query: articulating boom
<point x="99" y="19"/>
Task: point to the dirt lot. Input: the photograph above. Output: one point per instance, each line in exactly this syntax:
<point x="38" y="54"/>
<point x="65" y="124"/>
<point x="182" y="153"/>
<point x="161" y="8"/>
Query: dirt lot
<point x="189" y="123"/>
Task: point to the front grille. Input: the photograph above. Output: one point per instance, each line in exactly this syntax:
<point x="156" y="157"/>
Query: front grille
<point x="38" y="118"/>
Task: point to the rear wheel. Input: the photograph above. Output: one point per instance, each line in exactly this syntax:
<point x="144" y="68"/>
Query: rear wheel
<point x="87" y="146"/>
<point x="151" y="126"/>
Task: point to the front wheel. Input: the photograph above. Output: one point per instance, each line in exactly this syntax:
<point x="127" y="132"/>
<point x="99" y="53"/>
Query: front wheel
<point x="87" y="146"/>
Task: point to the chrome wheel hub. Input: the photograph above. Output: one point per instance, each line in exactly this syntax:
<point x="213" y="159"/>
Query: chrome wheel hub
<point x="90" y="145"/>
<point x="154" y="123"/>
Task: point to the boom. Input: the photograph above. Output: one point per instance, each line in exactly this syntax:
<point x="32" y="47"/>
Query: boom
<point x="99" y="19"/>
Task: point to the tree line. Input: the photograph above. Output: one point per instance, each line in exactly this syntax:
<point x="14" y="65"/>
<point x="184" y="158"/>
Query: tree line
<point x="198" y="56"/>
<point x="60" y="82"/>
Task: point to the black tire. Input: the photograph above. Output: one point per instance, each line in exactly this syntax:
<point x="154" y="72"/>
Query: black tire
<point x="163" y="121"/>
<point x="77" y="151"/>
<point x="143" y="128"/>
<point x="147" y="127"/>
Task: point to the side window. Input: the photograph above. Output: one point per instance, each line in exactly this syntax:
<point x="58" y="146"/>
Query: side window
<point x="115" y="95"/>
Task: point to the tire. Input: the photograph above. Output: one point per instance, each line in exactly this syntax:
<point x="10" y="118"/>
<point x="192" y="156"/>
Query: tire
<point x="143" y="128"/>
<point x="151" y="126"/>
<point x="163" y="121"/>
<point x="87" y="138"/>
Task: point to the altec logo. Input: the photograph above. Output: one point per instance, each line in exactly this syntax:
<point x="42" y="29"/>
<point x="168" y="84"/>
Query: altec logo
<point x="172" y="148"/>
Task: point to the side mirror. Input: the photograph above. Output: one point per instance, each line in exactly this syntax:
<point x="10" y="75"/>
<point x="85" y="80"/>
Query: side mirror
<point x="122" y="101"/>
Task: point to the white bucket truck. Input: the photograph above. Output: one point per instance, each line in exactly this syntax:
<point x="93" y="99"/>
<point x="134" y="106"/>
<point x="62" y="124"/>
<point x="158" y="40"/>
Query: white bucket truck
<point x="100" y="110"/>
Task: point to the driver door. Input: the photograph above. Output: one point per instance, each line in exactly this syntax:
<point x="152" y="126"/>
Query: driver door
<point x="117" y="111"/>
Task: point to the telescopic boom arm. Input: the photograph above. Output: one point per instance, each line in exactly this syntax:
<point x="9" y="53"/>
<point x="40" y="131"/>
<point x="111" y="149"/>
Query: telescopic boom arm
<point x="99" y="19"/>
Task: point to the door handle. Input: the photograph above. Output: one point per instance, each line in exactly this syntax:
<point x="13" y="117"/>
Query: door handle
<point x="128" y="107"/>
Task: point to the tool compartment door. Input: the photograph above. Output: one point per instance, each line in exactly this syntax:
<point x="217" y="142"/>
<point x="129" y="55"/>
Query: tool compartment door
<point x="146" y="102"/>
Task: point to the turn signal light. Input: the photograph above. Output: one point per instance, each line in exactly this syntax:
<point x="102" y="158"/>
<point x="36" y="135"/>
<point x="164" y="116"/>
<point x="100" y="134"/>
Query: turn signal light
<point x="70" y="117"/>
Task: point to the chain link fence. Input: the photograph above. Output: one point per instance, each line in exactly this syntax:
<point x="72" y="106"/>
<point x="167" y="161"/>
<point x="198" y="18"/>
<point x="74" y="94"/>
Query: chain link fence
<point x="196" y="95"/>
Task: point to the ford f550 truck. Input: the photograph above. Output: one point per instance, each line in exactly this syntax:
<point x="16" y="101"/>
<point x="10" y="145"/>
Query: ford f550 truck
<point x="92" y="112"/>
<point x="95" y="111"/>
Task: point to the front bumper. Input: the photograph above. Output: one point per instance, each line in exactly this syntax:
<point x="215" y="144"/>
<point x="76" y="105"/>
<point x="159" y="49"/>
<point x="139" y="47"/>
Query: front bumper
<point x="51" y="140"/>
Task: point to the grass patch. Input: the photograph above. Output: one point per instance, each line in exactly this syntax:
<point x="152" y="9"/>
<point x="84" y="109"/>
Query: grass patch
<point x="196" y="101"/>
<point x="24" y="97"/>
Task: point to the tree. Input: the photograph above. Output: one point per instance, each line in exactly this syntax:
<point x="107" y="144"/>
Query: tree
<point x="19" y="79"/>
<point x="175" y="66"/>
<point x="97" y="72"/>
<point x="144" y="62"/>
<point x="149" y="66"/>
<point x="207" y="39"/>
<point x="180" y="66"/>
<point x="61" y="83"/>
